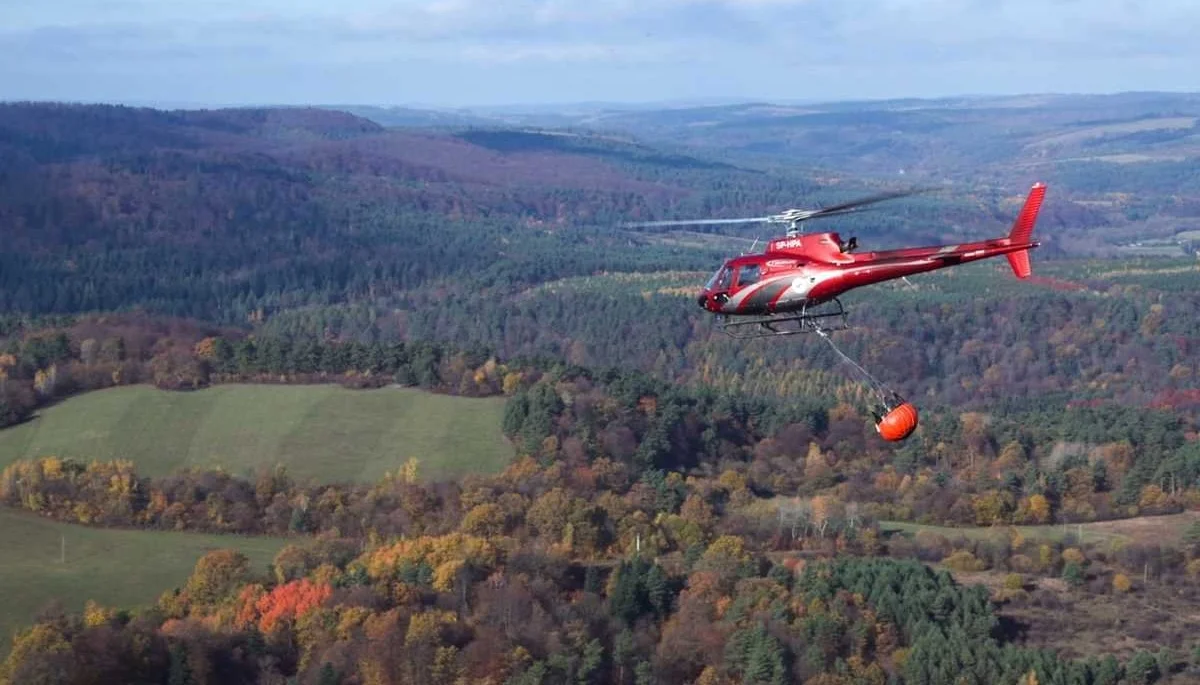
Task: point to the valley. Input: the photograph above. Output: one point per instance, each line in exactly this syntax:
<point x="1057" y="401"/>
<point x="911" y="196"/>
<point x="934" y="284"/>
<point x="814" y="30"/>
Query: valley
<point x="409" y="364"/>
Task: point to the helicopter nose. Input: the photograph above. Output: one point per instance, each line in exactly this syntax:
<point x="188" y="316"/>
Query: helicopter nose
<point x="702" y="300"/>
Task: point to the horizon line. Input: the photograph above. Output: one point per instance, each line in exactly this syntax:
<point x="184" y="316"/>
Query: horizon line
<point x="528" y="106"/>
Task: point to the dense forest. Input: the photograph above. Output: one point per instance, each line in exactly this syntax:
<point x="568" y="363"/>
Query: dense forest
<point x="549" y="573"/>
<point x="1018" y="464"/>
<point x="964" y="339"/>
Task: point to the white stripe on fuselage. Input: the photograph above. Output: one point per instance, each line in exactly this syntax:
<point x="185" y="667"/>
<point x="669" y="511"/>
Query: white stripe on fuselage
<point x="806" y="281"/>
<point x="804" y="284"/>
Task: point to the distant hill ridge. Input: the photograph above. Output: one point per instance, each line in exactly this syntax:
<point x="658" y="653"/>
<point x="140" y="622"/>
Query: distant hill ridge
<point x="228" y="213"/>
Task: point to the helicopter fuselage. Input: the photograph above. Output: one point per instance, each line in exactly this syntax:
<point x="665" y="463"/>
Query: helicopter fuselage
<point x="803" y="271"/>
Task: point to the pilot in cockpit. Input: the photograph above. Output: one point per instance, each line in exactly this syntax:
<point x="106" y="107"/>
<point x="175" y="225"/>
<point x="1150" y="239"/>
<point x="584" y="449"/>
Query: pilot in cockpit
<point x="850" y="246"/>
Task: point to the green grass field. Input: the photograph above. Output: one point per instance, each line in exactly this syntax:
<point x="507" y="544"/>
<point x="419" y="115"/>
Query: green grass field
<point x="117" y="568"/>
<point x="324" y="432"/>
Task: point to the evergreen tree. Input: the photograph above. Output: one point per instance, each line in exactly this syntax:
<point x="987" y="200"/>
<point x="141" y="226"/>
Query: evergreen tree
<point x="627" y="601"/>
<point x="765" y="663"/>
<point x="301" y="520"/>
<point x="643" y="674"/>
<point x="623" y="652"/>
<point x="590" y="662"/>
<point x="1108" y="672"/>
<point x="657" y="592"/>
<point x="179" y="672"/>
<point x="1073" y="574"/>
<point x="515" y="411"/>
<point x="1100" y="476"/>
<point x="1142" y="669"/>
<point x="328" y="675"/>
<point x="592" y="581"/>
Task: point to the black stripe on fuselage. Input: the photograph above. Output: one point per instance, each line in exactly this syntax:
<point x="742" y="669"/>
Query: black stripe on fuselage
<point x="758" y="302"/>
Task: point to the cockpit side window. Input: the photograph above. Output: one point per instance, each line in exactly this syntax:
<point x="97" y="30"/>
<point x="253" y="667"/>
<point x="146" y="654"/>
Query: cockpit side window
<point x="719" y="280"/>
<point x="726" y="276"/>
<point x="748" y="275"/>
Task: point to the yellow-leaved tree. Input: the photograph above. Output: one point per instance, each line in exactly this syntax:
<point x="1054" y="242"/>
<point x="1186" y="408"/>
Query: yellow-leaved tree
<point x="409" y="472"/>
<point x="426" y="627"/>
<point x="216" y="575"/>
<point x="96" y="615"/>
<point x="1121" y="583"/>
<point x="1038" y="509"/>
<point x="40" y="654"/>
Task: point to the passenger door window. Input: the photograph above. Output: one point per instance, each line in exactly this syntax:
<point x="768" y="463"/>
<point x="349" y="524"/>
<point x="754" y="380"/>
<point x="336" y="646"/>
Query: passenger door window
<point x="748" y="275"/>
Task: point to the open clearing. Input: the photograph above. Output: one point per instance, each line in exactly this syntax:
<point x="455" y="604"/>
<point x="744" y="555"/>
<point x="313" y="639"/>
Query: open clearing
<point x="1096" y="620"/>
<point x="1166" y="529"/>
<point x="322" y="432"/>
<point x="1116" y="129"/>
<point x="117" y="568"/>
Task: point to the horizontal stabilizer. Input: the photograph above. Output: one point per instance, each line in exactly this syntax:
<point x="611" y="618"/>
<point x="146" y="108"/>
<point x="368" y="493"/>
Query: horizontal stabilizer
<point x="1019" y="261"/>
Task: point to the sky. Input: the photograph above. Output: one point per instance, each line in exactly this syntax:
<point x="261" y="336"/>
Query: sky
<point x="462" y="53"/>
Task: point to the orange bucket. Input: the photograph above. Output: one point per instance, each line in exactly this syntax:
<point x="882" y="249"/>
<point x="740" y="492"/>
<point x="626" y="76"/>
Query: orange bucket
<point x="899" y="423"/>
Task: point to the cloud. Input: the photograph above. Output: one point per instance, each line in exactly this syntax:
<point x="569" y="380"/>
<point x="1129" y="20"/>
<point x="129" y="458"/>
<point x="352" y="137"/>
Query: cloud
<point x="678" y="46"/>
<point x="559" y="53"/>
<point x="855" y="26"/>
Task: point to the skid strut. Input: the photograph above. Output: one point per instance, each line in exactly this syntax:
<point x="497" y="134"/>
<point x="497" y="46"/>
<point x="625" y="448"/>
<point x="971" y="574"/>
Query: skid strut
<point x="807" y="320"/>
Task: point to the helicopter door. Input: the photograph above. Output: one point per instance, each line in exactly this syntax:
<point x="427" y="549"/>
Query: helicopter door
<point x="748" y="274"/>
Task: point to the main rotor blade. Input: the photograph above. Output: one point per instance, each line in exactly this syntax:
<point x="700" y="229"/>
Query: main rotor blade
<point x="692" y="222"/>
<point x="791" y="214"/>
<point x="869" y="200"/>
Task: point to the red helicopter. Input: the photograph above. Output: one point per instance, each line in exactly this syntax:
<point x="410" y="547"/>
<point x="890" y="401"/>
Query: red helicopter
<point x="801" y="273"/>
<point x="799" y="277"/>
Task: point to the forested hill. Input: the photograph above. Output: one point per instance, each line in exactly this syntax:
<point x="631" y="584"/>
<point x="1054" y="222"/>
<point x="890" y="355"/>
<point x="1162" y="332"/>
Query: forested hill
<point x="1124" y="164"/>
<point x="234" y="214"/>
<point x="220" y="214"/>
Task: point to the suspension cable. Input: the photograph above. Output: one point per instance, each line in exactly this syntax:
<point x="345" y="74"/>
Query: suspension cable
<point x="882" y="391"/>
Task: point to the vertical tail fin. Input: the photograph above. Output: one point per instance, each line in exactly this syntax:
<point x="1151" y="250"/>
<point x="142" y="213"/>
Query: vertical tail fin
<point x="1022" y="230"/>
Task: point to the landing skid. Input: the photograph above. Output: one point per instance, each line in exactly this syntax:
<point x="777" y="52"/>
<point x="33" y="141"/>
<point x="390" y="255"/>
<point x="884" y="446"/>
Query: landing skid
<point x="807" y="320"/>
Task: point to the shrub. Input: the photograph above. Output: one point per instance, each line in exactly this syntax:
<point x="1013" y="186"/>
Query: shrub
<point x="963" y="560"/>
<point x="1121" y="583"/>
<point x="1073" y="574"/>
<point x="1073" y="555"/>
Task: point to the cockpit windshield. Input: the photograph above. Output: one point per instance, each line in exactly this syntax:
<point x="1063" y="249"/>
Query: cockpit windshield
<point x="719" y="280"/>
